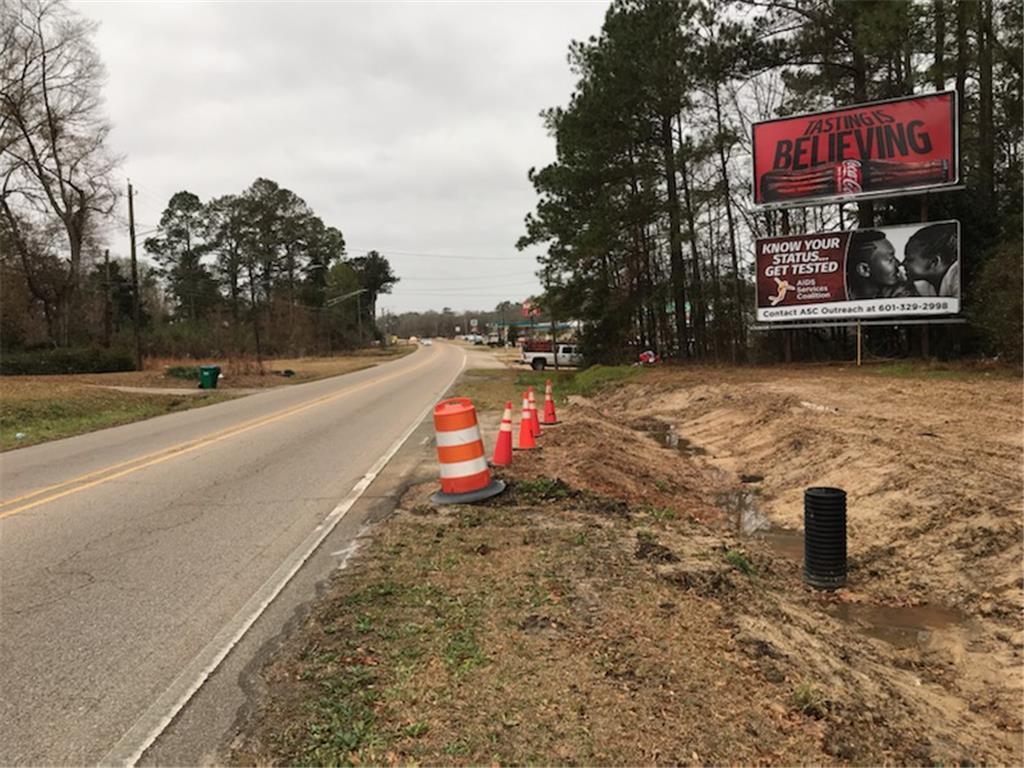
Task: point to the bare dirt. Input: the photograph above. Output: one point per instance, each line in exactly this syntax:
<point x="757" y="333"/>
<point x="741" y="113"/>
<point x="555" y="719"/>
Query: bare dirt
<point x="636" y="596"/>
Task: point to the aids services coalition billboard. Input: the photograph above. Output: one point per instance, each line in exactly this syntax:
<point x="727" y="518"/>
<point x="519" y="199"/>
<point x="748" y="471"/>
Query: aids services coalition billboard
<point x="884" y="148"/>
<point x="865" y="273"/>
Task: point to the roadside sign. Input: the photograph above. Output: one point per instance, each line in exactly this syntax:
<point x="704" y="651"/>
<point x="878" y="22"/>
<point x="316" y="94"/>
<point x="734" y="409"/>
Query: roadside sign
<point x="883" y="148"/>
<point x="912" y="269"/>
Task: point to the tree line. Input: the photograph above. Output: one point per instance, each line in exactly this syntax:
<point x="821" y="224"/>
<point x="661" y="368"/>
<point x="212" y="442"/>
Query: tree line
<point x="646" y="219"/>
<point x="264" y="266"/>
<point x="251" y="273"/>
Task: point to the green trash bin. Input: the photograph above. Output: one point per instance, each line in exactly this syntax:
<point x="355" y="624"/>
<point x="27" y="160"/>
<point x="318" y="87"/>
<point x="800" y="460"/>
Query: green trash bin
<point x="208" y="375"/>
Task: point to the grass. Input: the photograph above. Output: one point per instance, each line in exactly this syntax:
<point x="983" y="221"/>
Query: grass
<point x="542" y="489"/>
<point x="907" y="369"/>
<point x="549" y="640"/>
<point x="738" y="560"/>
<point x="490" y="388"/>
<point x="810" y="701"/>
<point x="39" y="411"/>
<point x="238" y="373"/>
<point x="376" y="640"/>
<point x="43" y="408"/>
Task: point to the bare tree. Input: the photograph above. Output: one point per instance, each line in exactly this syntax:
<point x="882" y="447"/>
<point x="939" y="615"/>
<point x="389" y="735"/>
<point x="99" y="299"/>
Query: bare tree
<point x="54" y="166"/>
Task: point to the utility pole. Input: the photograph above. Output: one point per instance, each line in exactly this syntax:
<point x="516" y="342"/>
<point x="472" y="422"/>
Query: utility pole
<point x="135" y="281"/>
<point x="107" y="309"/>
<point x="359" y="317"/>
<point x="551" y="311"/>
<point x="787" y="335"/>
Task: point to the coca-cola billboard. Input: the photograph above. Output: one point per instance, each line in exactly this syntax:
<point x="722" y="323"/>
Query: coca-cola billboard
<point x="881" y="272"/>
<point x="887" y="148"/>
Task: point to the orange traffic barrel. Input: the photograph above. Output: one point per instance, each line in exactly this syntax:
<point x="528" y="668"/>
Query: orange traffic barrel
<point x="465" y="476"/>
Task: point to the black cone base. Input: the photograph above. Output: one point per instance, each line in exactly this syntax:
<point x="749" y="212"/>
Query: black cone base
<point x="496" y="487"/>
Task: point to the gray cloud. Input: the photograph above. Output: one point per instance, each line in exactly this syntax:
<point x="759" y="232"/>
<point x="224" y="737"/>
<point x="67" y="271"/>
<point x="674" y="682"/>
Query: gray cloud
<point x="408" y="125"/>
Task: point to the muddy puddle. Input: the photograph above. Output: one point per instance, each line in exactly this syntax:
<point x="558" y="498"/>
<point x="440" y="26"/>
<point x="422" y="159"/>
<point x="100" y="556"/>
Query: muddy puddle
<point x="903" y="627"/>
<point x="751" y="523"/>
<point x="665" y="434"/>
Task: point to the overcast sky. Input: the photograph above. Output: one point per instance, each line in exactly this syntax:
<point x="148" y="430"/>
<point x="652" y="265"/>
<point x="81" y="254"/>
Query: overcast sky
<point x="409" y="126"/>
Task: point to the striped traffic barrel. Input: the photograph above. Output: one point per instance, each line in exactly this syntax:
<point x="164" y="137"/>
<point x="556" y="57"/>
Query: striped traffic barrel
<point x="465" y="475"/>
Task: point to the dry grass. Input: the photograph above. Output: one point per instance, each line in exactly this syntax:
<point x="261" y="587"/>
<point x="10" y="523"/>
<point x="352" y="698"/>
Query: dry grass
<point x="615" y="616"/>
<point x="238" y="373"/>
<point x="40" y="409"/>
<point x="523" y="631"/>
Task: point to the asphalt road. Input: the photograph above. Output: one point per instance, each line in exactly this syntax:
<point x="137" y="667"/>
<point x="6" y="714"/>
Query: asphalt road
<point x="134" y="559"/>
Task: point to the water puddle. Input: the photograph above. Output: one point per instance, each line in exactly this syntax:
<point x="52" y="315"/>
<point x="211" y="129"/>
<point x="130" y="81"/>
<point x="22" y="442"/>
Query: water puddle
<point x="752" y="523"/>
<point x="665" y="434"/>
<point x="905" y="627"/>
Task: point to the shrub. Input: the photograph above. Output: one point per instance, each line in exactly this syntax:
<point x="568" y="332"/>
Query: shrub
<point x="57" y="361"/>
<point x="998" y="307"/>
<point x="183" y="372"/>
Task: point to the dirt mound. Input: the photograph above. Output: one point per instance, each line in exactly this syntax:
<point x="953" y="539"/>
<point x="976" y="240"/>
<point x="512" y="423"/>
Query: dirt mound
<point x="596" y="450"/>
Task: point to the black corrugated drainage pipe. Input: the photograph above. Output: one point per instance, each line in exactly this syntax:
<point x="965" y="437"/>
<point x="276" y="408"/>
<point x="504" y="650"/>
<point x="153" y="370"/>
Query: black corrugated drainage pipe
<point x="825" y="537"/>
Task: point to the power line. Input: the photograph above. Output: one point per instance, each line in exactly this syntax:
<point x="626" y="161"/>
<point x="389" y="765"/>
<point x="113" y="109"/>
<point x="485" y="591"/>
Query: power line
<point x="385" y="252"/>
<point x="449" y="278"/>
<point x="479" y="286"/>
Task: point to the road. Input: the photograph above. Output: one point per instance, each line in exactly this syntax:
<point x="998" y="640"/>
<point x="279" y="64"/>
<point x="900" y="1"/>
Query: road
<point x="132" y="560"/>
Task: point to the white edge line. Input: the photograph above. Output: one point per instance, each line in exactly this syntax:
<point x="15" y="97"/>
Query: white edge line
<point x="130" y="748"/>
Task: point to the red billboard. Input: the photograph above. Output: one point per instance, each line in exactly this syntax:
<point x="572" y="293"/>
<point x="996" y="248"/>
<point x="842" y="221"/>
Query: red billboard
<point x="883" y="272"/>
<point x="883" y="148"/>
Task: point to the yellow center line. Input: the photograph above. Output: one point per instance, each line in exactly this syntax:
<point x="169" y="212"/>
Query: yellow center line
<point x="188" y="446"/>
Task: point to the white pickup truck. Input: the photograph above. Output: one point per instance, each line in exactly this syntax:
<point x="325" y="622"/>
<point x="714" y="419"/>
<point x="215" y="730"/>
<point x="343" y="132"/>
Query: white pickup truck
<point x="540" y="356"/>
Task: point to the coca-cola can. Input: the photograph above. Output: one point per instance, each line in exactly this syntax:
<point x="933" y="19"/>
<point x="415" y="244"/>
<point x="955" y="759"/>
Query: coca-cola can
<point x="848" y="177"/>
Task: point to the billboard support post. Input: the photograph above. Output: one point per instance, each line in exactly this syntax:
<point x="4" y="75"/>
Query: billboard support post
<point x="858" y="342"/>
<point x="787" y="335"/>
<point x="924" y="328"/>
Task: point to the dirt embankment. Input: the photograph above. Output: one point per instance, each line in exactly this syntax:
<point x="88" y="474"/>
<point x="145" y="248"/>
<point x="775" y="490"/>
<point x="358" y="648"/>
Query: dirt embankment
<point x="622" y="614"/>
<point x="932" y="468"/>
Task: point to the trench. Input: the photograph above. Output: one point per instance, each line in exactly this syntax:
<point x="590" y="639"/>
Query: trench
<point x="900" y="626"/>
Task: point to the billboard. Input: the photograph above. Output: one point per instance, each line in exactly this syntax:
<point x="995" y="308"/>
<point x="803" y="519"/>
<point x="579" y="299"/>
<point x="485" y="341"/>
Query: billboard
<point x="890" y="147"/>
<point x="913" y="269"/>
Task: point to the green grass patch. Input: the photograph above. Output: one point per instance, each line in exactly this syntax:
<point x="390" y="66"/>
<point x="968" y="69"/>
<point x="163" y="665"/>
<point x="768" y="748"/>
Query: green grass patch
<point x="585" y="383"/>
<point x="375" y="640"/>
<point x="46" y="412"/>
<point x="738" y="560"/>
<point x="908" y="369"/>
<point x="542" y="489"/>
<point x="490" y="389"/>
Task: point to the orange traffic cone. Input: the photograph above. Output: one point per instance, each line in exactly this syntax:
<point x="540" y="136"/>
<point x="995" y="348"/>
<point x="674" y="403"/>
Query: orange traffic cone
<point x="465" y="476"/>
<point x="549" y="407"/>
<point x="526" y="440"/>
<point x="503" y="446"/>
<point x="534" y="420"/>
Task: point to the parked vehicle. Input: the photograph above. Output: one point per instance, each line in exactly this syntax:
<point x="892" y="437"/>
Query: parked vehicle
<point x="539" y="355"/>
